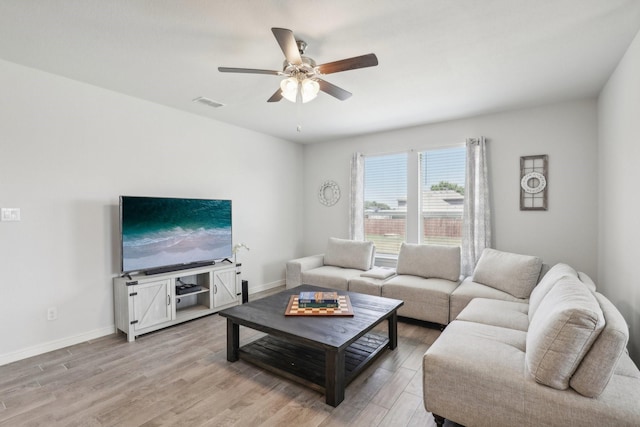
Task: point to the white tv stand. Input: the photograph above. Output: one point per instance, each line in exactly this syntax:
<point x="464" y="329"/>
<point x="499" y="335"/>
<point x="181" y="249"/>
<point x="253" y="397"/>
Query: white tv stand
<point x="145" y="303"/>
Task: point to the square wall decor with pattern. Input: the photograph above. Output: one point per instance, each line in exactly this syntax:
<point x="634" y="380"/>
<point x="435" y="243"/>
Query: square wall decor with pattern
<point x="534" y="182"/>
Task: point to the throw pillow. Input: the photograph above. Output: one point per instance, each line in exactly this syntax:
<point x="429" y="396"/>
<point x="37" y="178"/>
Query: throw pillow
<point x="429" y="261"/>
<point x="565" y="326"/>
<point x="349" y="254"/>
<point x="512" y="273"/>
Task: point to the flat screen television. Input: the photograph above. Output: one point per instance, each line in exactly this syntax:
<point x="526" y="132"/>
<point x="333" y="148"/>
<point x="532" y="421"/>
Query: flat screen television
<point x="164" y="234"/>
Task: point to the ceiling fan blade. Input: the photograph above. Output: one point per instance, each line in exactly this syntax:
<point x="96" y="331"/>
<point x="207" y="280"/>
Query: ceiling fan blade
<point x="276" y="96"/>
<point x="356" y="62"/>
<point x="333" y="90"/>
<point x="248" y="70"/>
<point x="288" y="44"/>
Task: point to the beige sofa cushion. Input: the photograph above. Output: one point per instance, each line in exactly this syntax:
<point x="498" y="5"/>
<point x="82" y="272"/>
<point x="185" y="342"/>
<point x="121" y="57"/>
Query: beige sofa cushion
<point x="505" y="314"/>
<point x="366" y="285"/>
<point x="474" y="375"/>
<point x="329" y="276"/>
<point x="429" y="261"/>
<point x="599" y="364"/>
<point x="565" y="326"/>
<point x="349" y="254"/>
<point x="513" y="273"/>
<point x="468" y="290"/>
<point x="424" y="299"/>
<point x="546" y="283"/>
<point x="588" y="282"/>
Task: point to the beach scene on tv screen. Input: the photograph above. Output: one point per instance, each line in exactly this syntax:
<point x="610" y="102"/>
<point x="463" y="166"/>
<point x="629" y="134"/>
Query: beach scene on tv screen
<point x="159" y="232"/>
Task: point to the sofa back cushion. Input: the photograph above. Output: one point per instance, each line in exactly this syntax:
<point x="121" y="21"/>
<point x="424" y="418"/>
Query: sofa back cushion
<point x="556" y="272"/>
<point x="588" y="282"/>
<point x="512" y="273"/>
<point x="566" y="324"/>
<point x="349" y="254"/>
<point x="599" y="364"/>
<point x="429" y="261"/>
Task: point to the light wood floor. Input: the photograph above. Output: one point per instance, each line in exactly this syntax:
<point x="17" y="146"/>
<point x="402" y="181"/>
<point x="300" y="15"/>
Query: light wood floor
<point x="179" y="376"/>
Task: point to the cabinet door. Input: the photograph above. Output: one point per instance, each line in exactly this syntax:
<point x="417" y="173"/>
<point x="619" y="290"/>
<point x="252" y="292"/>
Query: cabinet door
<point x="151" y="303"/>
<point x="224" y="287"/>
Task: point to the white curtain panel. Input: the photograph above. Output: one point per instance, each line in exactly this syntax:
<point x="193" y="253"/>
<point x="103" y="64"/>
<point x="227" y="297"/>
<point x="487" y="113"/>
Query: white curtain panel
<point x="356" y="198"/>
<point x="476" y="219"/>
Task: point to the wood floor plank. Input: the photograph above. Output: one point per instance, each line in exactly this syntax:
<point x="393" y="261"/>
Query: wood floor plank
<point x="306" y="409"/>
<point x="179" y="376"/>
<point x="388" y="394"/>
<point x="415" y="385"/>
<point x="371" y="415"/>
<point x="362" y="390"/>
<point x="414" y="359"/>
<point x="402" y="410"/>
<point x="421" y="418"/>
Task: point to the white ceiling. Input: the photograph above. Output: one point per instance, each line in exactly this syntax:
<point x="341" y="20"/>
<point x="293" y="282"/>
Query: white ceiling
<point x="438" y="59"/>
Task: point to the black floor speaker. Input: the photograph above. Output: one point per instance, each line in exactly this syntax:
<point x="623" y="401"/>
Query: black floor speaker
<point x="245" y="291"/>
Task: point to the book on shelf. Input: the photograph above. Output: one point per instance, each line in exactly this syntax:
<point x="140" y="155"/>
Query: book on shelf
<point x="318" y="298"/>
<point x="318" y="305"/>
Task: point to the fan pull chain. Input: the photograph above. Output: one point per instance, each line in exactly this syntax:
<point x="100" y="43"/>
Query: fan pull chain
<point x="299" y="108"/>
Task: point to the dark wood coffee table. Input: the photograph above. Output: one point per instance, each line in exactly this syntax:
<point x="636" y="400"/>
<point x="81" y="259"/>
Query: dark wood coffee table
<point x="324" y="353"/>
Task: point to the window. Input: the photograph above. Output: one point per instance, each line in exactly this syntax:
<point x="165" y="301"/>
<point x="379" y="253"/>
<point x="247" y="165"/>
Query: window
<point x="385" y="201"/>
<point x="396" y="211"/>
<point x="442" y="196"/>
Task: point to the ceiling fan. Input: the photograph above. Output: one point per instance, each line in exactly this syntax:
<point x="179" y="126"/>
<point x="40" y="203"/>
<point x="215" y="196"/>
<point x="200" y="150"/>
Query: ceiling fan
<point x="302" y="76"/>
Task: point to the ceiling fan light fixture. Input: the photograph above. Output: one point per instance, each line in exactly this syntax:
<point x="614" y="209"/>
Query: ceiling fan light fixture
<point x="309" y="89"/>
<point x="289" y="88"/>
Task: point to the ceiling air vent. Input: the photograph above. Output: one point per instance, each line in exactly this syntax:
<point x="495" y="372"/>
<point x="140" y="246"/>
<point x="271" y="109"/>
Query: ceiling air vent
<point x="208" y="102"/>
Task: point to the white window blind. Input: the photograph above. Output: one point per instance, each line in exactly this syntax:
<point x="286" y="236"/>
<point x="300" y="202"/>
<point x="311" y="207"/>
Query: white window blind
<point x="385" y="201"/>
<point x="442" y="173"/>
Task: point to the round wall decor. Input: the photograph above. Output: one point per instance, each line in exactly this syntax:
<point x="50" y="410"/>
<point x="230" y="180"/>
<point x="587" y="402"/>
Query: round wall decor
<point x="533" y="182"/>
<point x="329" y="193"/>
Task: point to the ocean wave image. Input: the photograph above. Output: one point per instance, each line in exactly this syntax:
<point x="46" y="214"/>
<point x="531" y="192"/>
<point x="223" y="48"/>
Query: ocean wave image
<point x="160" y="232"/>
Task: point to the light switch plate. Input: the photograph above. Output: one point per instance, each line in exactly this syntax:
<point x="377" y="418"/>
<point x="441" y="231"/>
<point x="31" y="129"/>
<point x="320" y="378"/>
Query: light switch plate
<point x="10" y="214"/>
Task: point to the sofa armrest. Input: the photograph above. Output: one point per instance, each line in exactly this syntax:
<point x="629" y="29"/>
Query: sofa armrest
<point x="295" y="267"/>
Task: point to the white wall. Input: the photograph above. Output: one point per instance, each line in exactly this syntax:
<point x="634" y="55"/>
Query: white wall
<point x="567" y="132"/>
<point x="619" y="174"/>
<point x="68" y="150"/>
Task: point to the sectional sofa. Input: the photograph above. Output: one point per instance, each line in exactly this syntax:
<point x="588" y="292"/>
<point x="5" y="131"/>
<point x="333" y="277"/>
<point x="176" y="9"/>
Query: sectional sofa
<point x="557" y="360"/>
<point x="524" y="344"/>
<point x="427" y="277"/>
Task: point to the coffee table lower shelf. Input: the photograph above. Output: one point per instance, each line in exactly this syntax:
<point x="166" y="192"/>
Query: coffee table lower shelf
<point x="306" y="365"/>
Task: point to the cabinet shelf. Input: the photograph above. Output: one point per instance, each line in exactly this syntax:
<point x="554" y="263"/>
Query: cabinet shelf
<point x="192" y="311"/>
<point x="192" y="308"/>
<point x="201" y="291"/>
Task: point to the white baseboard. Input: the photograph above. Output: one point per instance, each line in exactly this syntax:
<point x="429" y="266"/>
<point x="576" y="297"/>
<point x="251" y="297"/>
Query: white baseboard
<point x="266" y="286"/>
<point x="87" y="336"/>
<point x="55" y="345"/>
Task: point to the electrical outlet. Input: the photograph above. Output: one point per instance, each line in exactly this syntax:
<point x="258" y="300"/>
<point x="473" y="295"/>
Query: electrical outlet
<point x="52" y="313"/>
